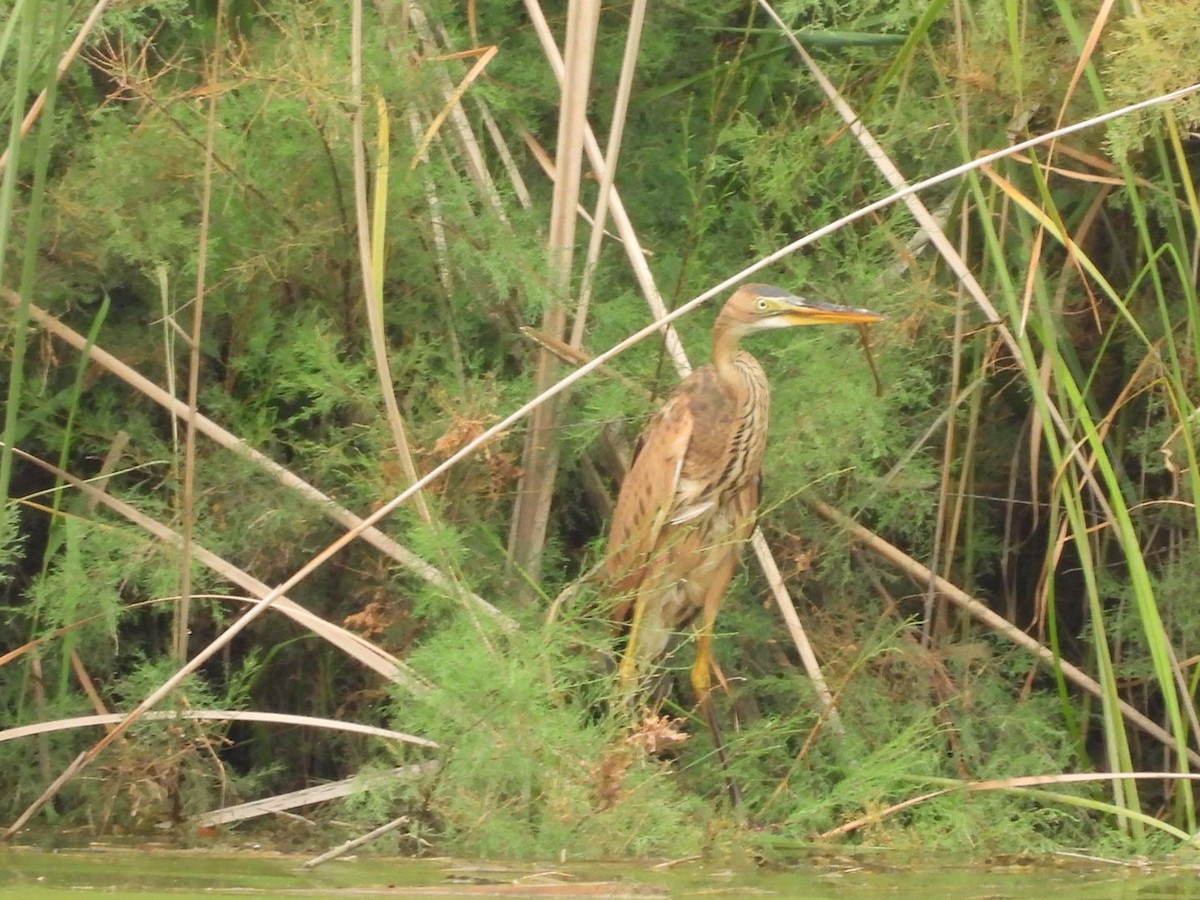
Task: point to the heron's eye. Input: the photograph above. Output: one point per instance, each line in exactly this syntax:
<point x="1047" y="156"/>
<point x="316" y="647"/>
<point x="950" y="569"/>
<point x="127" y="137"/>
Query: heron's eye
<point x="761" y="304"/>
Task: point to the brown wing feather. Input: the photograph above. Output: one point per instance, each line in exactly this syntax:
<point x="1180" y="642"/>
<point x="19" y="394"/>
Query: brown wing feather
<point x="646" y="498"/>
<point x="746" y="506"/>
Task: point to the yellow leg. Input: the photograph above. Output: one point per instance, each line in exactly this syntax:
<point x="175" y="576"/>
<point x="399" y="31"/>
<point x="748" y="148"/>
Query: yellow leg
<point x="627" y="671"/>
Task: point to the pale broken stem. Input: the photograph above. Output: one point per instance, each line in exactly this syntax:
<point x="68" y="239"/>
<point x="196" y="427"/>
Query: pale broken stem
<point x="322" y="793"/>
<point x="373" y="536"/>
<point x="620" y="347"/>
<point x="506" y="158"/>
<point x="440" y="246"/>
<point x="441" y="251"/>
<point x="170" y="331"/>
<point x="357" y="842"/>
<point x="992" y="620"/>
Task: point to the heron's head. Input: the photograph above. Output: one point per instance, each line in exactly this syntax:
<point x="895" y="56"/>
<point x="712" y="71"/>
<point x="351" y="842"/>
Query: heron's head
<point x="757" y="307"/>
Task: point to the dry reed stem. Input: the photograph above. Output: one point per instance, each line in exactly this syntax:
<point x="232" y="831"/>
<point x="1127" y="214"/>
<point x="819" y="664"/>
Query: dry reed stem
<point x="471" y="446"/>
<point x="468" y="144"/>
<point x="229" y="441"/>
<point x="791" y="619"/>
<point x="486" y="55"/>
<point x="506" y="158"/>
<point x="335" y="790"/>
<point x="440" y="245"/>
<point x="540" y="457"/>
<point x="441" y="249"/>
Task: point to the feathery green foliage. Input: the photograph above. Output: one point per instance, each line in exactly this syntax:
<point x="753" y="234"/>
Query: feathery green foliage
<point x="1052" y="476"/>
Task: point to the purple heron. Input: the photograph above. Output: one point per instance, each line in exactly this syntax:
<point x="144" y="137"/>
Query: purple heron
<point x="688" y="504"/>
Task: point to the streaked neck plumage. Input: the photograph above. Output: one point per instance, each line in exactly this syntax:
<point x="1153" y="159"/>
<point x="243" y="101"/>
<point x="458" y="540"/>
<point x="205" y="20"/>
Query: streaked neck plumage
<point x="727" y="335"/>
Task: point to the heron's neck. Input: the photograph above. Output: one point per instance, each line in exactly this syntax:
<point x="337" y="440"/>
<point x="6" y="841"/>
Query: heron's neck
<point x="724" y="354"/>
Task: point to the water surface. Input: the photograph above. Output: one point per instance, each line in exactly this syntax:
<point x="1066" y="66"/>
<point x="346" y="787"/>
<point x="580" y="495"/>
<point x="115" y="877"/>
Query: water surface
<point x="151" y="872"/>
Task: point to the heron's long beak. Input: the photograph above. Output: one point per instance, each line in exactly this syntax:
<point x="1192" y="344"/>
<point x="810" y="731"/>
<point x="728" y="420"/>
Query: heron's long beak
<point x="816" y="312"/>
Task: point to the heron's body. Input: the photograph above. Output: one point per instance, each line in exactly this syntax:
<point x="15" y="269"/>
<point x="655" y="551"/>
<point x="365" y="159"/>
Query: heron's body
<point x="677" y="530"/>
<point x="687" y="506"/>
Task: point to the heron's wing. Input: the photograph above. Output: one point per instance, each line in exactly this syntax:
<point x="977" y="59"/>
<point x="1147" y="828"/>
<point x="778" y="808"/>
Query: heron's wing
<point x="745" y="506"/>
<point x="648" y="498"/>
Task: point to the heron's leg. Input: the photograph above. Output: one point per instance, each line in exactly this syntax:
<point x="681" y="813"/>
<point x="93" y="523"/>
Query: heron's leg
<point x="627" y="671"/>
<point x="701" y="676"/>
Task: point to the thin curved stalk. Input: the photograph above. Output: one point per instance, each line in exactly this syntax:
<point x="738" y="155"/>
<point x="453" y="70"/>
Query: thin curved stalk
<point x="218" y="715"/>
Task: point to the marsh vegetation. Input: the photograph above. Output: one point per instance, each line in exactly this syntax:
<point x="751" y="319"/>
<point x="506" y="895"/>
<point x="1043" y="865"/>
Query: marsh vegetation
<point x="265" y="263"/>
